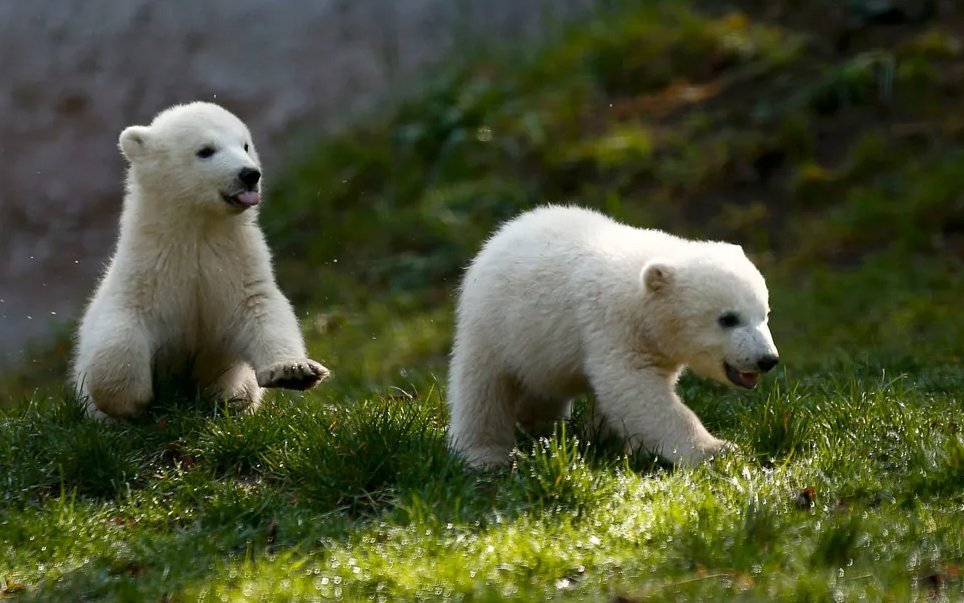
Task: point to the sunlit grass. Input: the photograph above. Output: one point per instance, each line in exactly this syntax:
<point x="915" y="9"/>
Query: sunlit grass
<point x="847" y="484"/>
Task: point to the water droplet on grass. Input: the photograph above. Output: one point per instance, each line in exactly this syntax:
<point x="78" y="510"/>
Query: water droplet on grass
<point x="484" y="134"/>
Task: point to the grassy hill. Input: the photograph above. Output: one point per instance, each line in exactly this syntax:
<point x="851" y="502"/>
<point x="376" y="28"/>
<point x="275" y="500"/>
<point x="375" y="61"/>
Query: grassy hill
<point x="827" y="139"/>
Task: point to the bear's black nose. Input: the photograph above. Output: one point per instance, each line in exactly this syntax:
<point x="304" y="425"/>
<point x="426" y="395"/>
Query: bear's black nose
<point x="767" y="362"/>
<point x="249" y="176"/>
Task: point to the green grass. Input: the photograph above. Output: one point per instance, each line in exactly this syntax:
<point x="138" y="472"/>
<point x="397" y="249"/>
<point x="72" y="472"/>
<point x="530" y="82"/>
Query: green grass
<point x="840" y="170"/>
<point x="311" y="498"/>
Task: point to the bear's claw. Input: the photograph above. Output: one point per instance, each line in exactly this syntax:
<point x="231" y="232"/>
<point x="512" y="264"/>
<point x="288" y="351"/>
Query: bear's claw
<point x="297" y="374"/>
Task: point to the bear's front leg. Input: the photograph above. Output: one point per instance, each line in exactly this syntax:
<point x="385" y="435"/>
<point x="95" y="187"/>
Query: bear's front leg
<point x="112" y="370"/>
<point x="271" y="341"/>
<point x="638" y="403"/>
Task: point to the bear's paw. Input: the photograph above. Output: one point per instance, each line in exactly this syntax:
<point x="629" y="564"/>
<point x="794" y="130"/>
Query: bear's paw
<point x="293" y="374"/>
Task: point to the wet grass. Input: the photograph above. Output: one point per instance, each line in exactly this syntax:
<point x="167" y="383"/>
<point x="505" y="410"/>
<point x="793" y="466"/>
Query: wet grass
<point x="847" y="485"/>
<point x="835" y="158"/>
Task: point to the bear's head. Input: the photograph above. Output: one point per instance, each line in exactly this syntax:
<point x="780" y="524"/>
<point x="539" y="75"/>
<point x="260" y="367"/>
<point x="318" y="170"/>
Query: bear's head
<point x="197" y="153"/>
<point x="711" y="308"/>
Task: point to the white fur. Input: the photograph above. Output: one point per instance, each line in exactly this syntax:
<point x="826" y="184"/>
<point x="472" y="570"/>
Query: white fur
<point x="191" y="282"/>
<point x="562" y="300"/>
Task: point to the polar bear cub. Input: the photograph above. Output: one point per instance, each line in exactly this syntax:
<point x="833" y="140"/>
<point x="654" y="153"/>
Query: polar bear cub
<point x="562" y="300"/>
<point x="191" y="281"/>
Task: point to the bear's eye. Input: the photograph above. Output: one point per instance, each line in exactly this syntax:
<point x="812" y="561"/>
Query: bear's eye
<point x="205" y="152"/>
<point x="245" y="147"/>
<point x="728" y="320"/>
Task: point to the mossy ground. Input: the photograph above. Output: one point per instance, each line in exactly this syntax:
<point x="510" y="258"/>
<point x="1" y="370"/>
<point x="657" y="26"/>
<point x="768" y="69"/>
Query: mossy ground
<point x="829" y="144"/>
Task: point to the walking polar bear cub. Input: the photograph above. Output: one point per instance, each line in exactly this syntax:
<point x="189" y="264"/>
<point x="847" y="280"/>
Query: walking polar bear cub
<point x="191" y="280"/>
<point x="563" y="299"/>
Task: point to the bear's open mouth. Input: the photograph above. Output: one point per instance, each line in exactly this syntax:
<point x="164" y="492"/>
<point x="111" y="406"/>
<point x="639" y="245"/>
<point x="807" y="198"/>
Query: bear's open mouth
<point x="243" y="199"/>
<point x="747" y="380"/>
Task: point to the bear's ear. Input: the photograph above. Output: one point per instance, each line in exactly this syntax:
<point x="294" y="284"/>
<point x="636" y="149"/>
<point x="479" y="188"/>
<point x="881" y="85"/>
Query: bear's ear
<point x="656" y="275"/>
<point x="134" y="142"/>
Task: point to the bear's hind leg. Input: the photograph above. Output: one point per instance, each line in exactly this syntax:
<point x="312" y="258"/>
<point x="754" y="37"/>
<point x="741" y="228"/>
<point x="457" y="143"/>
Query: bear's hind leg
<point x="239" y="387"/>
<point x="228" y="380"/>
<point x="482" y="405"/>
<point x="112" y="371"/>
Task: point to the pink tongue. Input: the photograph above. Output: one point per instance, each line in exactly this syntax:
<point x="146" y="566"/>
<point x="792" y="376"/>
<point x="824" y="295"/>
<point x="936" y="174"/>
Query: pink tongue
<point x="249" y="198"/>
<point x="749" y="378"/>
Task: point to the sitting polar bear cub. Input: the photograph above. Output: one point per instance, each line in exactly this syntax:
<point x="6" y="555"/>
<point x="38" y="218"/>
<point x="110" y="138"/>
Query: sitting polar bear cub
<point x="191" y="281"/>
<point x="563" y="299"/>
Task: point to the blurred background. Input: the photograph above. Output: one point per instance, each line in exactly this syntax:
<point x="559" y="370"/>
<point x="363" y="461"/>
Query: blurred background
<point x="76" y="73"/>
<point x="826" y="137"/>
